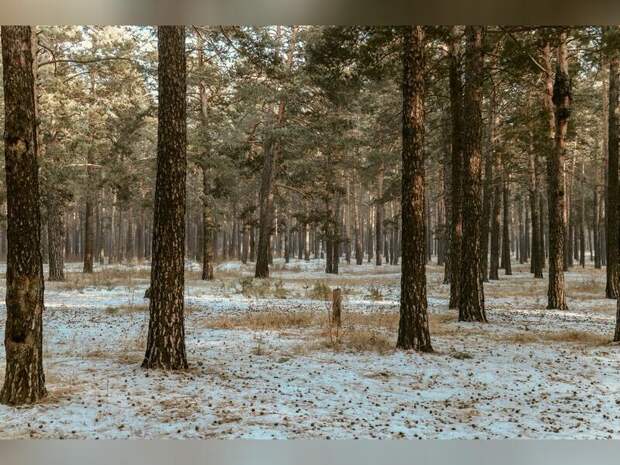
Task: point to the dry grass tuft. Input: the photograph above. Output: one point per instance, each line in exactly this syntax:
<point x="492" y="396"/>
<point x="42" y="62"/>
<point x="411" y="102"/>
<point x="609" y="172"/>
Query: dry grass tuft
<point x="569" y="336"/>
<point x="263" y="321"/>
<point x="353" y="339"/>
<point x="320" y="291"/>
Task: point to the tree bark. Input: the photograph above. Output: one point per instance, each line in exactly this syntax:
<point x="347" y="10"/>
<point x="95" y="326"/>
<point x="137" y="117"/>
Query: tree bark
<point x="487" y="194"/>
<point x="560" y="96"/>
<point x="612" y="201"/>
<point x="456" y="226"/>
<point x="56" y="239"/>
<point x="166" y="336"/>
<point x="413" y="331"/>
<point x="471" y="299"/>
<point x="506" y="227"/>
<point x="24" y="380"/>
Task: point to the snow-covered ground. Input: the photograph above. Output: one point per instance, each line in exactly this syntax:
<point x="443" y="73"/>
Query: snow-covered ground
<point x="529" y="372"/>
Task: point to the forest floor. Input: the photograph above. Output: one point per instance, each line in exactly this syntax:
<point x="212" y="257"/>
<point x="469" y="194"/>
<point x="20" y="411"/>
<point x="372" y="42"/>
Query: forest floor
<point x="266" y="363"/>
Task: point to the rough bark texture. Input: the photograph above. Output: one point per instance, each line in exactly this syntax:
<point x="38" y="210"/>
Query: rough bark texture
<point x="24" y="381"/>
<point x="166" y="337"/>
<point x="456" y="226"/>
<point x="56" y="240"/>
<point x="561" y="98"/>
<point x="471" y="299"/>
<point x="612" y="201"/>
<point x="413" y="332"/>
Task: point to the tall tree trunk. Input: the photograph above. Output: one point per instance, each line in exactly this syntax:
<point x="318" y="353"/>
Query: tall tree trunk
<point x="560" y="96"/>
<point x="495" y="221"/>
<point x="24" y="380"/>
<point x="506" y="226"/>
<point x="413" y="332"/>
<point x="612" y="202"/>
<point x="456" y="226"/>
<point x="166" y="335"/>
<point x="271" y="150"/>
<point x="471" y="299"/>
<point x="89" y="233"/>
<point x="379" y="216"/>
<point x="487" y="194"/>
<point x="265" y="210"/>
<point x="56" y="239"/>
<point x="535" y="263"/>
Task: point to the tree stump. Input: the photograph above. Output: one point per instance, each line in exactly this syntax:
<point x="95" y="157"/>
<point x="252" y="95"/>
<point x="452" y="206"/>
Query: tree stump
<point x="337" y="307"/>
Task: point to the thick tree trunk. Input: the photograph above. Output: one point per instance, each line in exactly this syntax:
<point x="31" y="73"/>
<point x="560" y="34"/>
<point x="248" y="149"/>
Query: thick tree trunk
<point x="166" y="336"/>
<point x="413" y="332"/>
<point x="456" y="225"/>
<point x="24" y="381"/>
<point x="560" y="96"/>
<point x="471" y="299"/>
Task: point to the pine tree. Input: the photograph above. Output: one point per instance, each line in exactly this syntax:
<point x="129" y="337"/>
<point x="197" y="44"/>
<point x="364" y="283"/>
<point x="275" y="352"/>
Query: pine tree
<point x="413" y="332"/>
<point x="166" y="336"/>
<point x="24" y="380"/>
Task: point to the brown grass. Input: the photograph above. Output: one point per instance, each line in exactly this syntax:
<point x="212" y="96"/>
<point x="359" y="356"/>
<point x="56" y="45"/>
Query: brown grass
<point x="569" y="336"/>
<point x="263" y="321"/>
<point x="107" y="278"/>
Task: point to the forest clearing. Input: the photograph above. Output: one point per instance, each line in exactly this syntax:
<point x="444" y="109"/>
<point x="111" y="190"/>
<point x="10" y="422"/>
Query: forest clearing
<point x="266" y="363"/>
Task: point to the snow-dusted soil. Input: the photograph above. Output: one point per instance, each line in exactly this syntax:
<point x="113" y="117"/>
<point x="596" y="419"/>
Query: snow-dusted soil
<point x="529" y="372"/>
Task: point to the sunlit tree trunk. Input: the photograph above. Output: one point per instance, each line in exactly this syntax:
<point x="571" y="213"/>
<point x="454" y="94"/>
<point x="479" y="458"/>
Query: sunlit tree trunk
<point x="166" y="334"/>
<point x="24" y="380"/>
<point x="560" y="95"/>
<point x="413" y="332"/>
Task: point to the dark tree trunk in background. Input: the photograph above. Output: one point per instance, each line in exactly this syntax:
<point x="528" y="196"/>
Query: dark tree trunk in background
<point x="536" y="265"/>
<point x="379" y="213"/>
<point x="413" y="332"/>
<point x="266" y="210"/>
<point x="487" y="194"/>
<point x="24" y="381"/>
<point x="560" y="95"/>
<point x="495" y="222"/>
<point x="456" y="226"/>
<point x="246" y="244"/>
<point x="208" y="230"/>
<point x="471" y="299"/>
<point x="166" y="337"/>
<point x="56" y="240"/>
<point x="89" y="235"/>
<point x="506" y="228"/>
